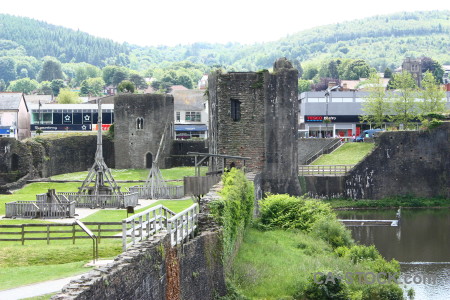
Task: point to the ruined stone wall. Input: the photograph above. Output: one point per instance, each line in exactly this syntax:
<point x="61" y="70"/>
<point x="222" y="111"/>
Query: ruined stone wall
<point x="45" y="157"/>
<point x="244" y="137"/>
<point x="133" y="143"/>
<point x="16" y="161"/>
<point x="404" y="163"/>
<point x="180" y="148"/>
<point x="72" y="154"/>
<point x="267" y="129"/>
<point x="280" y="172"/>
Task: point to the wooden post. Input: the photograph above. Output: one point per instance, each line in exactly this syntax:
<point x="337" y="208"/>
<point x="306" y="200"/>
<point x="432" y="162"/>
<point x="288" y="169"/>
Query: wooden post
<point x="23" y="234"/>
<point x="48" y="235"/>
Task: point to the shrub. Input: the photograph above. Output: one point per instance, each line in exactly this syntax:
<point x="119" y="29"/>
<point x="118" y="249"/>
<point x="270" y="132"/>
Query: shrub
<point x="332" y="231"/>
<point x="234" y="210"/>
<point x="285" y="211"/>
<point x="327" y="289"/>
<point x="383" y="292"/>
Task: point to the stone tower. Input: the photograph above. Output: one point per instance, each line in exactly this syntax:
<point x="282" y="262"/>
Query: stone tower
<point x="255" y="114"/>
<point x="413" y="66"/>
<point x="139" y="123"/>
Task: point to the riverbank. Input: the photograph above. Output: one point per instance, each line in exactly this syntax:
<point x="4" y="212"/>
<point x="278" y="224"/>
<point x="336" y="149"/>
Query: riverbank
<point x="404" y="202"/>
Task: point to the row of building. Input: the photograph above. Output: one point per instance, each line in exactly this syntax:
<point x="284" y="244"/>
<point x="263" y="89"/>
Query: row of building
<point x="22" y="115"/>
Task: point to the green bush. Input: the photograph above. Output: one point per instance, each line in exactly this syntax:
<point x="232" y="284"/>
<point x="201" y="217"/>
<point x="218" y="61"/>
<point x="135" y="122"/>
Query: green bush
<point x="370" y="256"/>
<point x="327" y="289"/>
<point x="383" y="292"/>
<point x="332" y="231"/>
<point x="234" y="210"/>
<point x="285" y="211"/>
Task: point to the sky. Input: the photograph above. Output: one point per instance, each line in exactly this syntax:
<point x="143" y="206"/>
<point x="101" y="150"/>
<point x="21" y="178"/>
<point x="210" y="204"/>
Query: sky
<point x="172" y="22"/>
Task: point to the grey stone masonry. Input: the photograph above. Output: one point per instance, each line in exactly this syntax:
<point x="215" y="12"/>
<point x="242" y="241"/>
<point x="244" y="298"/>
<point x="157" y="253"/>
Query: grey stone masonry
<point x="255" y="114"/>
<point x="140" y="121"/>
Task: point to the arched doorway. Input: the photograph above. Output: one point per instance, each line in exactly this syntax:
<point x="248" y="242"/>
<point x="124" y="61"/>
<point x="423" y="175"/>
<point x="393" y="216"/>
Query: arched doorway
<point x="148" y="160"/>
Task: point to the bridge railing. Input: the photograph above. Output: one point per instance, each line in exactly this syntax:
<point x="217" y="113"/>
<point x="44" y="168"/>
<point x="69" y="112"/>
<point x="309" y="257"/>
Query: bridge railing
<point x="182" y="226"/>
<point x="144" y="225"/>
<point x="324" y="170"/>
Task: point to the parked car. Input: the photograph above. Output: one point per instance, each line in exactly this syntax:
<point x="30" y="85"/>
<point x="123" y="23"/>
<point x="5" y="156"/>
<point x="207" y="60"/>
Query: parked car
<point x="369" y="133"/>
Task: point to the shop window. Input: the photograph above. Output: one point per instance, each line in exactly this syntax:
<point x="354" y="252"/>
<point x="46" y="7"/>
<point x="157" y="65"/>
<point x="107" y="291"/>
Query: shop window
<point x="235" y="109"/>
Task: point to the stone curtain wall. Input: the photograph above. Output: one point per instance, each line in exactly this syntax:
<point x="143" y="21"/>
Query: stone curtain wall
<point x="132" y="143"/>
<point x="404" y="163"/>
<point x="16" y="161"/>
<point x="22" y="161"/>
<point x="280" y="173"/>
<point x="180" y="148"/>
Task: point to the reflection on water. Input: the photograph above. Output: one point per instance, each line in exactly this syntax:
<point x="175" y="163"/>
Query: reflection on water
<point x="421" y="244"/>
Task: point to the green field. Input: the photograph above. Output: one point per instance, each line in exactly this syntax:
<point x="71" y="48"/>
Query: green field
<point x="36" y="261"/>
<point x="347" y="154"/>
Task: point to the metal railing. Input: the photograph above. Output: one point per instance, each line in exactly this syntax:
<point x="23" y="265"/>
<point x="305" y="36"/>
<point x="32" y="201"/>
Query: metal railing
<point x="324" y="170"/>
<point x="169" y="192"/>
<point x="328" y="148"/>
<point x="145" y="224"/>
<point x="39" y="209"/>
<point x="182" y="226"/>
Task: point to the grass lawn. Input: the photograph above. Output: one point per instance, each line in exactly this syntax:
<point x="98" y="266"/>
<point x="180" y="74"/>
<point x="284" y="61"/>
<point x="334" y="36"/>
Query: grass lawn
<point x="34" y="274"/>
<point x="276" y="263"/>
<point x="115" y="215"/>
<point x="347" y="154"/>
<point x="36" y="261"/>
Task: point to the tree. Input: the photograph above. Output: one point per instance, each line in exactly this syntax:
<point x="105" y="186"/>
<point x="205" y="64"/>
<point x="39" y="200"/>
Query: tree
<point x="304" y="86"/>
<point x="66" y="96"/>
<point x="24" y="85"/>
<point x="403" y="101"/>
<point x="45" y="88"/>
<point x="138" y="80"/>
<point x="126" y="86"/>
<point x="433" y="97"/>
<point x="310" y="72"/>
<point x="428" y="64"/>
<point x="357" y="69"/>
<point x="377" y="104"/>
<point x="387" y="73"/>
<point x="56" y="85"/>
<point x="333" y="70"/>
<point x="7" y="69"/>
<point x="185" y="81"/>
<point x="95" y="86"/>
<point x="51" y="69"/>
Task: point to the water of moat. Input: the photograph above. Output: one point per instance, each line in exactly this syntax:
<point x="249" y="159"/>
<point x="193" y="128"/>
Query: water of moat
<point x="421" y="243"/>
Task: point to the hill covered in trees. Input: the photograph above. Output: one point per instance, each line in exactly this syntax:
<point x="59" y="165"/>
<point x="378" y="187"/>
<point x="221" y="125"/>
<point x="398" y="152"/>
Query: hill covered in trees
<point x="381" y="42"/>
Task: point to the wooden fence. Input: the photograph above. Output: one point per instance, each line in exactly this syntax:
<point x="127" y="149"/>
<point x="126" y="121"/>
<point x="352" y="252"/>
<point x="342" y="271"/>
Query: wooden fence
<point x="169" y="192"/>
<point x="39" y="209"/>
<point x="102" y="201"/>
<point x="324" y="170"/>
<point x="61" y="231"/>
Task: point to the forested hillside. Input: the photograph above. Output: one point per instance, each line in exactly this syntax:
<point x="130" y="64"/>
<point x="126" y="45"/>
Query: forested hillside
<point x="38" y="51"/>
<point x="23" y="36"/>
